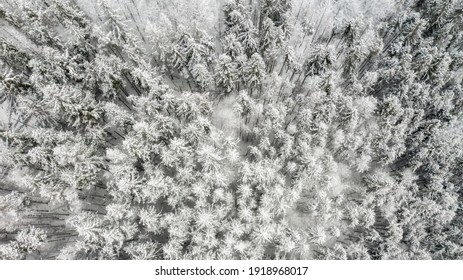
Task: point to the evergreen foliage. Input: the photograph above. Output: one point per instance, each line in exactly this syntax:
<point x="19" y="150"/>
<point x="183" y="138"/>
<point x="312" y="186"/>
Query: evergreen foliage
<point x="270" y="129"/>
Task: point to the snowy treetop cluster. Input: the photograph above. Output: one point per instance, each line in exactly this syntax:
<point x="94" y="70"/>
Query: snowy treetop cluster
<point x="233" y="129"/>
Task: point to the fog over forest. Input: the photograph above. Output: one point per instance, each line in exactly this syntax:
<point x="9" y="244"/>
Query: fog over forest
<point x="231" y="129"/>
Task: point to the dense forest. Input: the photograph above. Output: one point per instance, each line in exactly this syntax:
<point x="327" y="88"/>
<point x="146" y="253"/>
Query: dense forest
<point x="237" y="129"/>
